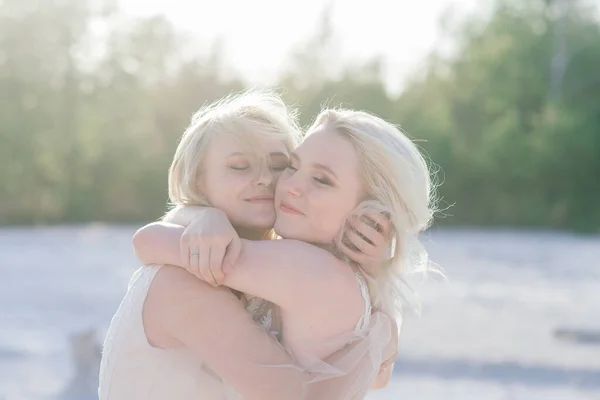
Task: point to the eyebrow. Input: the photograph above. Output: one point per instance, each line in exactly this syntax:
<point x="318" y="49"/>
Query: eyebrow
<point x="278" y="154"/>
<point x="317" y="165"/>
<point x="325" y="168"/>
<point x="273" y="154"/>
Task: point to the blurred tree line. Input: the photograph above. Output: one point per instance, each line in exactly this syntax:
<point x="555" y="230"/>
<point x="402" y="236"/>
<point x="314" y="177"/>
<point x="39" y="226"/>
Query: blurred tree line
<point x="91" y="107"/>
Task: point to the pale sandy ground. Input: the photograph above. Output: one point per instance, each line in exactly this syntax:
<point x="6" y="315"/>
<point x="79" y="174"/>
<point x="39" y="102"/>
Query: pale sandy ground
<point x="486" y="333"/>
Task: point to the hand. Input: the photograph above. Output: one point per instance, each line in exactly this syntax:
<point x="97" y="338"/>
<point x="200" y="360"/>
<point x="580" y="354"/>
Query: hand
<point x="210" y="245"/>
<point x="367" y="242"/>
<point x="389" y="355"/>
<point x="392" y="347"/>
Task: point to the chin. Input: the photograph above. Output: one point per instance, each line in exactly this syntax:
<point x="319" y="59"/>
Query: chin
<point x="255" y="222"/>
<point x="288" y="231"/>
<point x="266" y="223"/>
<point x="280" y="228"/>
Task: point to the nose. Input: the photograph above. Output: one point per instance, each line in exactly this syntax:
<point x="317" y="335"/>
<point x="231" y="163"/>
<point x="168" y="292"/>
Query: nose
<point x="294" y="191"/>
<point x="291" y="185"/>
<point x="265" y="177"/>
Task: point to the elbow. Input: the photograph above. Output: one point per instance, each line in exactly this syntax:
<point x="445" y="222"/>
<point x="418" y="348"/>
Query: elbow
<point x="142" y="243"/>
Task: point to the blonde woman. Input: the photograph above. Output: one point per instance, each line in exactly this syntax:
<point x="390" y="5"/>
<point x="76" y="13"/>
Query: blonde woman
<point x="175" y="337"/>
<point x="350" y="164"/>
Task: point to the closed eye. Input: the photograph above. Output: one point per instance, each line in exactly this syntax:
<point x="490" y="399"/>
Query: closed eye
<point x="278" y="167"/>
<point x="323" y="181"/>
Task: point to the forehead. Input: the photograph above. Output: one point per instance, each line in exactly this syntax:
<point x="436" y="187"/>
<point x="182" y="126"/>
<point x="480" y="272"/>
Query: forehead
<point x="331" y="149"/>
<point x="252" y="144"/>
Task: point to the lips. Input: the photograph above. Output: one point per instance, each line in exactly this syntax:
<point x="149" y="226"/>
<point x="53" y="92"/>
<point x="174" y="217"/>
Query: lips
<point x="263" y="198"/>
<point x="289" y="209"/>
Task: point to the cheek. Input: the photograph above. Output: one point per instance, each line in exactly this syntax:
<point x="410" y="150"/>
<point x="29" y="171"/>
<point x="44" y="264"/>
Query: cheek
<point x="279" y="188"/>
<point x="329" y="214"/>
<point x="281" y="180"/>
<point x="226" y="188"/>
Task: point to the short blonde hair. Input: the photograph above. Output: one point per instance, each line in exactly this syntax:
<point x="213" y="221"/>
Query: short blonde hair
<point x="244" y="116"/>
<point x="398" y="183"/>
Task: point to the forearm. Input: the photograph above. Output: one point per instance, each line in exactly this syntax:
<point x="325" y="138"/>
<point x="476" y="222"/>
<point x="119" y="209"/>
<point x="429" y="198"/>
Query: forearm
<point x="280" y="271"/>
<point x="183" y="215"/>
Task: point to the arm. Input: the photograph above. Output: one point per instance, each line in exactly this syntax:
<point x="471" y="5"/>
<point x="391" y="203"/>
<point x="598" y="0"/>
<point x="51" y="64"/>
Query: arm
<point x="151" y="248"/>
<point x="208" y="245"/>
<point x="211" y="323"/>
<point x="184" y="215"/>
<point x="281" y="271"/>
<point x="157" y="243"/>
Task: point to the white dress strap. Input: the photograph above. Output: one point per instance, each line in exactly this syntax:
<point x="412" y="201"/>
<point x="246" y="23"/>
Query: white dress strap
<point x="365" y="319"/>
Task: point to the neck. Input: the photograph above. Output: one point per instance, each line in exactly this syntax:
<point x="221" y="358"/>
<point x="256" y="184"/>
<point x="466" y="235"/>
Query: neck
<point x="329" y="247"/>
<point x="333" y="249"/>
<point x="252" y="234"/>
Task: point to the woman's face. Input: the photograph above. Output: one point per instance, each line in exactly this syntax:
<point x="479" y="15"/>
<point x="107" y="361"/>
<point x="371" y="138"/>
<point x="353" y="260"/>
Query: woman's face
<point x="319" y="189"/>
<point x="244" y="190"/>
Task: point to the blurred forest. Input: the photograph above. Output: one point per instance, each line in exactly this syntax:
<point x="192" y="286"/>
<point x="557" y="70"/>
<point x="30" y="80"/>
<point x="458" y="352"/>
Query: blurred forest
<point x="92" y="105"/>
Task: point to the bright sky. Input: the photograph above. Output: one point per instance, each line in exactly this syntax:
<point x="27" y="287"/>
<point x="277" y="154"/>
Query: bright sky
<point x="259" y="34"/>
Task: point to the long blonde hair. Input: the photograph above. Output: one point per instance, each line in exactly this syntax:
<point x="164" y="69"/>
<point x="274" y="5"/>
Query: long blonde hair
<point x="245" y="116"/>
<point x="398" y="183"/>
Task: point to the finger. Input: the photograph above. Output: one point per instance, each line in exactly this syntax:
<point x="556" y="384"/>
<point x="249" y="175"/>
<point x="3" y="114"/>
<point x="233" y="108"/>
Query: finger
<point x="357" y="240"/>
<point x="352" y="254"/>
<point x="196" y="251"/>
<point x="373" y="226"/>
<point x="232" y="253"/>
<point x="217" y="256"/>
<point x="386" y="227"/>
<point x="382" y="223"/>
<point x="184" y="252"/>
<point x="194" y="256"/>
<point x="204" y="264"/>
<point x="210" y="277"/>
